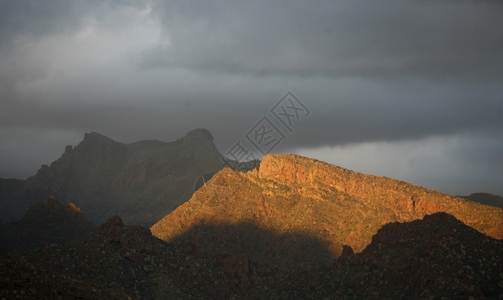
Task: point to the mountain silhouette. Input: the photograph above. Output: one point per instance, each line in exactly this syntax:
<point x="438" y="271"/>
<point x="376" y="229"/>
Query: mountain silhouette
<point x="437" y="257"/>
<point x="485" y="198"/>
<point x="142" y="181"/>
<point x="431" y="258"/>
<point x="45" y="223"/>
<point x="296" y="228"/>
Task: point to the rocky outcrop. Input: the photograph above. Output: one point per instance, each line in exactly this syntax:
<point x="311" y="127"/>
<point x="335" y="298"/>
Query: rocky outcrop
<point x="297" y="196"/>
<point x="406" y="201"/>
<point x="45" y="223"/>
<point x="437" y="257"/>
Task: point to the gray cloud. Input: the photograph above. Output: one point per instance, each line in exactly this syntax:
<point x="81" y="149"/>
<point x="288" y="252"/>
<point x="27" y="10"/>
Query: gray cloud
<point x="436" y="40"/>
<point x="378" y="72"/>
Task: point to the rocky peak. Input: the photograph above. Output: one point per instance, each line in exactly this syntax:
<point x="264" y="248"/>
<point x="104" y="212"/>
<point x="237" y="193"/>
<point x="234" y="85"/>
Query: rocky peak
<point x="53" y="203"/>
<point x="112" y="224"/>
<point x="97" y="142"/>
<point x="52" y="208"/>
<point x="68" y="149"/>
<point x="199" y="133"/>
<point x="295" y="197"/>
<point x="94" y="137"/>
<point x="405" y="200"/>
<point x="437" y="257"/>
<point x="45" y="224"/>
<point x="106" y="178"/>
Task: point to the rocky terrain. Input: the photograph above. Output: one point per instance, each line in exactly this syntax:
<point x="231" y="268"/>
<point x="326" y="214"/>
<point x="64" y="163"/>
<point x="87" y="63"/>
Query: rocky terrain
<point x="296" y="228"/>
<point x="141" y="181"/>
<point x="437" y="257"/>
<point x="301" y="199"/>
<point x="45" y="223"/>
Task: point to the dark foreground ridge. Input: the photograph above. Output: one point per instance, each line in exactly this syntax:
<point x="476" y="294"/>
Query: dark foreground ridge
<point x="431" y="258"/>
<point x="45" y="223"/>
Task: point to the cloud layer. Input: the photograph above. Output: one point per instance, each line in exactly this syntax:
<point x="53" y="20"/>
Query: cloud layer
<point x="386" y="72"/>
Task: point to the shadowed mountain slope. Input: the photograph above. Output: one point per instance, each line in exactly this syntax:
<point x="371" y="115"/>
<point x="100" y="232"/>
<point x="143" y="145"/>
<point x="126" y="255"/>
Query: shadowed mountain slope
<point x="142" y="181"/>
<point x="292" y="194"/>
<point x="45" y="224"/>
<point x="431" y="258"/>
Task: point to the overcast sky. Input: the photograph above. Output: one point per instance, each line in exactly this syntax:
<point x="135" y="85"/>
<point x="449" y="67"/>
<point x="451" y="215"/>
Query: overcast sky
<point x="406" y="89"/>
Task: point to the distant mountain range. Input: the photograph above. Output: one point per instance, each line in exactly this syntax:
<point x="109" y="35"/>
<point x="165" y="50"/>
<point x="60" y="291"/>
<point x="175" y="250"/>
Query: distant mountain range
<point x="485" y="198"/>
<point x="297" y="228"/>
<point x="142" y="181"/>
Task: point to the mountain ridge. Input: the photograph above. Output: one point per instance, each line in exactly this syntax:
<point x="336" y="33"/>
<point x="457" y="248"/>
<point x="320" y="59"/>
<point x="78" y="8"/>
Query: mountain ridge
<point x="296" y="228"/>
<point x="142" y="181"/>
<point x="293" y="193"/>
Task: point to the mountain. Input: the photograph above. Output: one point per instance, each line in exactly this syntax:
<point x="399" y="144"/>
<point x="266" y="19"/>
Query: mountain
<point x="485" y="198"/>
<point x="437" y="257"/>
<point x="45" y="223"/>
<point x="296" y="228"/>
<point x="142" y="181"/>
<point x="301" y="199"/>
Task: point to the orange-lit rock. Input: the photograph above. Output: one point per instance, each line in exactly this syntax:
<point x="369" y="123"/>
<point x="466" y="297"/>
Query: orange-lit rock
<point x="297" y="198"/>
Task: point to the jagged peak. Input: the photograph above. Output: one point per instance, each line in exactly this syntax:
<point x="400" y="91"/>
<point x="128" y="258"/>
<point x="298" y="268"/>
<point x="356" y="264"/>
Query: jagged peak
<point x="97" y="143"/>
<point x="113" y="223"/>
<point x="52" y="206"/>
<point x="68" y="149"/>
<point x="53" y="202"/>
<point x="73" y="208"/>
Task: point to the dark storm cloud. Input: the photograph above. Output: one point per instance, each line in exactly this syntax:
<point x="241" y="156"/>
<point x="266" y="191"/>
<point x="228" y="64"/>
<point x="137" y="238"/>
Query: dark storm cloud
<point x="381" y="72"/>
<point x="432" y="39"/>
<point x="470" y="165"/>
<point x="33" y="18"/>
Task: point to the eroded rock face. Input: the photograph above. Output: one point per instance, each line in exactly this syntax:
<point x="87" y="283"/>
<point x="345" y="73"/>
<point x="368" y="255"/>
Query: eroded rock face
<point x="407" y="201"/>
<point x="297" y="197"/>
